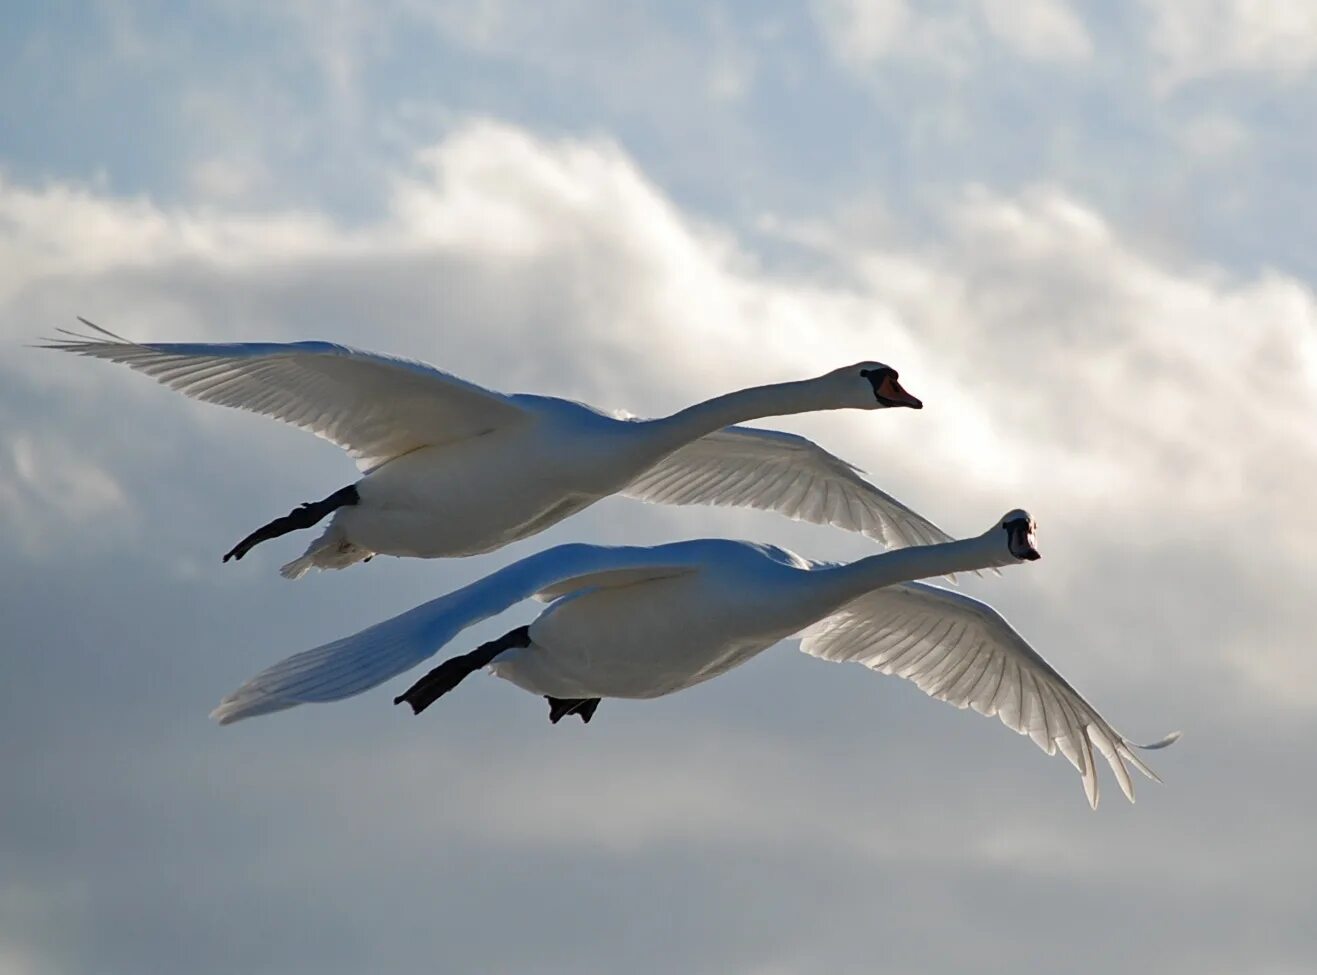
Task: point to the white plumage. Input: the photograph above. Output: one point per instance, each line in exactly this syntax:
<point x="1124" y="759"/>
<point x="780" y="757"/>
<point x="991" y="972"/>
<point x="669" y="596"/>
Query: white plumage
<point x="782" y="472"/>
<point x="642" y="622"/>
<point x="452" y="469"/>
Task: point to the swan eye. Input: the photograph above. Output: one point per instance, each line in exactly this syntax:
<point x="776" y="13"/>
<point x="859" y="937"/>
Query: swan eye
<point x="877" y="377"/>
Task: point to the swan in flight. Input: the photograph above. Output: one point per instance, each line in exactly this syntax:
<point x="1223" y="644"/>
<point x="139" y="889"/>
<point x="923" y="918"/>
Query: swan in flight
<point x="450" y="468"/>
<point x="641" y="622"/>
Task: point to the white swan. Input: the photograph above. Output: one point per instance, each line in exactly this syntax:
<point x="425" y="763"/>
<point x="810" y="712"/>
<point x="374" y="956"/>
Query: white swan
<point x="454" y="469"/>
<point x="643" y="622"/>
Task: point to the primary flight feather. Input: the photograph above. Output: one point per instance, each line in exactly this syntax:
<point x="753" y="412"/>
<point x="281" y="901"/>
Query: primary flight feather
<point x="640" y="622"/>
<point x="450" y="468"/>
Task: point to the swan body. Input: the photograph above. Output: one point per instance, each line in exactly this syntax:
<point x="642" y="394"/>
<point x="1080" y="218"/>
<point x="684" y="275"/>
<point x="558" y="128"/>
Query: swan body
<point x="479" y="494"/>
<point x="625" y="641"/>
<point x="452" y="469"/>
<point x="641" y="622"/>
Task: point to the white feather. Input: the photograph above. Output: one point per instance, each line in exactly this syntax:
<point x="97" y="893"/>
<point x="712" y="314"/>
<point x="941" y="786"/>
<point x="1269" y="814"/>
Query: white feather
<point x="962" y="651"/>
<point x="786" y="473"/>
<point x="452" y="469"/>
<point x="346" y="667"/>
<point x="376" y="407"/>
<point x="643" y="622"/>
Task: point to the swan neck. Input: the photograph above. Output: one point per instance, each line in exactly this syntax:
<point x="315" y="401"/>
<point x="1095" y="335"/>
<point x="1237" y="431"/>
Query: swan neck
<point x="851" y="581"/>
<point x="778" y="399"/>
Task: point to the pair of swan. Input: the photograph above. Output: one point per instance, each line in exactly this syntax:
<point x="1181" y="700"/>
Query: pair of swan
<point x="646" y="621"/>
<point x="451" y="468"/>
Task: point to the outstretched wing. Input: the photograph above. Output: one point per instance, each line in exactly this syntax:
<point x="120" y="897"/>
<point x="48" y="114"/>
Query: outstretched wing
<point x="786" y="473"/>
<point x="359" y="662"/>
<point x="962" y="651"/>
<point x="376" y="407"/>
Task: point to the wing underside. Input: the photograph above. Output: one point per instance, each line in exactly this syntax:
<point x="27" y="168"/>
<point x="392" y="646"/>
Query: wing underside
<point x="959" y="650"/>
<point x="782" y="472"/>
<point x="376" y="407"/>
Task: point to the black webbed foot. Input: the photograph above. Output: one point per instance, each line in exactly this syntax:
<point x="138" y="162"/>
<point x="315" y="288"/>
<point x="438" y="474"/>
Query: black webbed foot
<point x="582" y="707"/>
<point x="453" y="671"/>
<point x="438" y="682"/>
<point x="303" y="516"/>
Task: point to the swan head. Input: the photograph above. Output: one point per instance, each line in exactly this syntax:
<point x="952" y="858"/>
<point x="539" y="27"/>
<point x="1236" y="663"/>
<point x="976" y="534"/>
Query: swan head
<point x="874" y="386"/>
<point x="1019" y="527"/>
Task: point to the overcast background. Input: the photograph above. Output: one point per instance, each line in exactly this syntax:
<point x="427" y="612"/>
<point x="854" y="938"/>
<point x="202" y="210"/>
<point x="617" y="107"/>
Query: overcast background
<point x="1082" y="231"/>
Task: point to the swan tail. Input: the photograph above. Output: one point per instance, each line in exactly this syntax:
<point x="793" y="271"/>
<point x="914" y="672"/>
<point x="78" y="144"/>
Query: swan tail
<point x="330" y="551"/>
<point x="335" y="670"/>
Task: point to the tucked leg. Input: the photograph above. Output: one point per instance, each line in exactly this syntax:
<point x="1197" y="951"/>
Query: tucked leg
<point x="450" y="673"/>
<point x="303" y="516"/>
<point x="582" y="707"/>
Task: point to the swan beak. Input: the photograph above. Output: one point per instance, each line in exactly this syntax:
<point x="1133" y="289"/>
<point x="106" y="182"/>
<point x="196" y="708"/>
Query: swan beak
<point x="1021" y="541"/>
<point x="894" y="395"/>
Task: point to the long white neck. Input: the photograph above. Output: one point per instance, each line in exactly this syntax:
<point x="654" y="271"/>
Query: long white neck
<point x="779" y="399"/>
<point x="838" y="585"/>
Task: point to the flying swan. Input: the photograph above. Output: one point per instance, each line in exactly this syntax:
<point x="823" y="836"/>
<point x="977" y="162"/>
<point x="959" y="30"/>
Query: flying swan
<point x="640" y="622"/>
<point x="452" y="469"/>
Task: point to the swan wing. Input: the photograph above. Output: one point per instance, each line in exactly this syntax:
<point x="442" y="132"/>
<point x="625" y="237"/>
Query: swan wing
<point x="786" y="473"/>
<point x="962" y="651"/>
<point x="376" y="407"/>
<point x="610" y="579"/>
<point x="359" y="662"/>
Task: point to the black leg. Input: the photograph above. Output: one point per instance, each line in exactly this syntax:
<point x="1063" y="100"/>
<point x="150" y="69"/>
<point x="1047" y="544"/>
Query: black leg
<point x="582" y="707"/>
<point x="452" y="672"/>
<point x="301" y="517"/>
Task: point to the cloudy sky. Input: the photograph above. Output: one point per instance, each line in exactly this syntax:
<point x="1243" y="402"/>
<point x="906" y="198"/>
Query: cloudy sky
<point x="1081" y="230"/>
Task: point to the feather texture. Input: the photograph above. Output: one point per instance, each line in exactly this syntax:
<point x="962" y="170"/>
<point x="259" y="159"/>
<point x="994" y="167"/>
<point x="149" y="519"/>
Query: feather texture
<point x="962" y="651"/>
<point x="354" y="664"/>
<point x="782" y="472"/>
<point x="374" y="406"/>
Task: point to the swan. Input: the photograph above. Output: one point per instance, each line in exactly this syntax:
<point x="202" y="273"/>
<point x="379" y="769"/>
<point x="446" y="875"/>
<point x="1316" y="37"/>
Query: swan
<point x="641" y="622"/>
<point x="452" y="469"/>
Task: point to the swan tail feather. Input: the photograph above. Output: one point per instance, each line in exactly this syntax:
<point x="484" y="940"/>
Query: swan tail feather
<point x="329" y="551"/>
<point x="297" y="568"/>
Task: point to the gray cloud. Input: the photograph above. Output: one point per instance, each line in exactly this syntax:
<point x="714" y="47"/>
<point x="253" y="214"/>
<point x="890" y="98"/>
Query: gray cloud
<point x="794" y="817"/>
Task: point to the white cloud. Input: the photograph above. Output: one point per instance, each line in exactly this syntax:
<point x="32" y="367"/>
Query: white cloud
<point x="731" y="76"/>
<point x="65" y="229"/>
<point x="1043" y="30"/>
<point x="1215" y="137"/>
<point x="1060" y="364"/>
<point x="1201" y="38"/>
<point x="49" y="492"/>
<point x="227" y="178"/>
<point x="862" y="33"/>
<point x="1156" y="416"/>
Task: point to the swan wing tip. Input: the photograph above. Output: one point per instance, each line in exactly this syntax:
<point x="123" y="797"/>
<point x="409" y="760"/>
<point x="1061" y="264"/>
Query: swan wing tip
<point x="71" y="341"/>
<point x="248" y="703"/>
<point x="225" y="713"/>
<point x="1170" y="739"/>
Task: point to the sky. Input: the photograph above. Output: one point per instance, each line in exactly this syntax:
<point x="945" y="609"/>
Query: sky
<point x="1080" y="230"/>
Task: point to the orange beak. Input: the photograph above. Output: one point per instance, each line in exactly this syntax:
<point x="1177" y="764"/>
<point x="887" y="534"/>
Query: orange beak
<point x="889" y="389"/>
